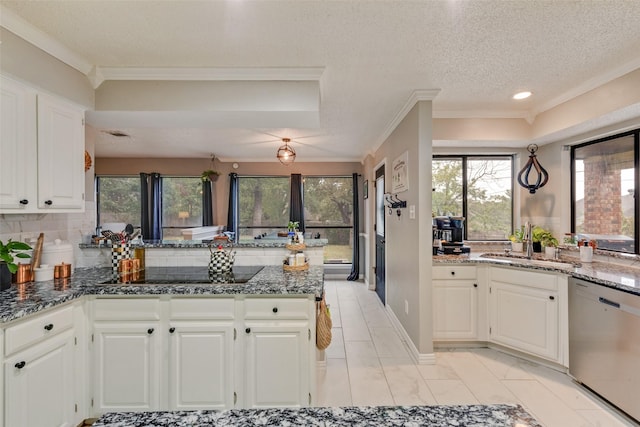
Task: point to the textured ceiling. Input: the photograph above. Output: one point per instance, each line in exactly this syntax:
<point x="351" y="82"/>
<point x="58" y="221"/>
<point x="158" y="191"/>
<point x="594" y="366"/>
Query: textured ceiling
<point x="374" y="54"/>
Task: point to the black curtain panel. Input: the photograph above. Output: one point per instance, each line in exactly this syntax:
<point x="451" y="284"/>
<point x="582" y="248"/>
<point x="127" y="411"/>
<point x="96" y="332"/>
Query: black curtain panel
<point x="355" y="264"/>
<point x="207" y="203"/>
<point x="296" y="207"/>
<point x="232" y="214"/>
<point x="151" y="206"/>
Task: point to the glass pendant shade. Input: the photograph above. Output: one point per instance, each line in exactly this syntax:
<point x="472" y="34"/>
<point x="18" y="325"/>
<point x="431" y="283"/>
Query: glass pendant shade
<point x="286" y="154"/>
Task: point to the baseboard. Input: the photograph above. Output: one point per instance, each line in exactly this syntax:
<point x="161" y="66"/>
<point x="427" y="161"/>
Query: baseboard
<point x="418" y="358"/>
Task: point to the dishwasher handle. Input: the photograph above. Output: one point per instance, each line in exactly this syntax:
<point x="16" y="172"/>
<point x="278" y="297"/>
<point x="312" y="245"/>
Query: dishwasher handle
<point x="609" y="302"/>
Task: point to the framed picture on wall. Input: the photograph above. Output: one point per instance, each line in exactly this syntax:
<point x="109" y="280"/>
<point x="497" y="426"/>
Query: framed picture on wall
<point x="365" y="189"/>
<point x="400" y="176"/>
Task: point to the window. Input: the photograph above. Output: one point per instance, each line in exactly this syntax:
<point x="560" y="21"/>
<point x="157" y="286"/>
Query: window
<point x="479" y="188"/>
<point x="119" y="201"/>
<point x="328" y="210"/>
<point x="263" y="205"/>
<point x="181" y="205"/>
<point x="604" y="179"/>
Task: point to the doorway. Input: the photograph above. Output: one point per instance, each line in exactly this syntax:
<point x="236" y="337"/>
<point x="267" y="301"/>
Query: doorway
<point x="379" y="228"/>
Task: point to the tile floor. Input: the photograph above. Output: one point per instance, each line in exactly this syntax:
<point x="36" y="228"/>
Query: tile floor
<point x="368" y="364"/>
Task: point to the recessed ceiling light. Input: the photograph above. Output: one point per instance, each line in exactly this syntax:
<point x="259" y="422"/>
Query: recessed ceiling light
<point x="522" y="95"/>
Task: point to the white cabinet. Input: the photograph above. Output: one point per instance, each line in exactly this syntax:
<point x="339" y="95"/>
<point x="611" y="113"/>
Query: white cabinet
<point x="455" y="302"/>
<point x="525" y="311"/>
<point x="39" y="371"/>
<point x="127" y="357"/>
<point x="278" y="357"/>
<point x="42" y="146"/>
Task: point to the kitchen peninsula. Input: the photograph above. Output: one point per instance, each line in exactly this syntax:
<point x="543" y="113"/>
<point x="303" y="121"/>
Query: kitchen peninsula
<point x="89" y="346"/>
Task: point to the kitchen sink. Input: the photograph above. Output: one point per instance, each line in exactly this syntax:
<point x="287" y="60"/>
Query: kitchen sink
<point x="535" y="260"/>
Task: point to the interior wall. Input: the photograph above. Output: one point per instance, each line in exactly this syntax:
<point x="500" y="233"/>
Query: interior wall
<point x="23" y="61"/>
<point x="408" y="264"/>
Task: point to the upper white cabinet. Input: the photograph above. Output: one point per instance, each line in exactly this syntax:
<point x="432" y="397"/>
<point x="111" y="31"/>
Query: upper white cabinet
<point x="42" y="146"/>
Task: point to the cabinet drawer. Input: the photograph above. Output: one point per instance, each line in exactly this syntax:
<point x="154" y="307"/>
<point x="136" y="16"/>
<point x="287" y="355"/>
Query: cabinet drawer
<point x="126" y="309"/>
<point x="201" y="308"/>
<point x="37" y="329"/>
<point x="443" y="272"/>
<point x="276" y="308"/>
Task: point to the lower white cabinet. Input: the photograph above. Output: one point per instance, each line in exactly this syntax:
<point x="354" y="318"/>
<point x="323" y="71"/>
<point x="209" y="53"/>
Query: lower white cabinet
<point x="126" y="366"/>
<point x="39" y="384"/>
<point x="455" y="303"/>
<point x="277" y="364"/>
<point x="201" y="365"/>
<point x="525" y="311"/>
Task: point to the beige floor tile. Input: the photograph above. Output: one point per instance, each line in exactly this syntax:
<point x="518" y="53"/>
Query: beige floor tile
<point x="544" y="405"/>
<point x="387" y="343"/>
<point x="563" y="386"/>
<point x="336" y="348"/>
<point x="503" y="366"/>
<point x="451" y="392"/>
<point x="442" y="370"/>
<point x="601" y="418"/>
<point x="368" y="384"/>
<point x="406" y="385"/>
<point x="333" y="388"/>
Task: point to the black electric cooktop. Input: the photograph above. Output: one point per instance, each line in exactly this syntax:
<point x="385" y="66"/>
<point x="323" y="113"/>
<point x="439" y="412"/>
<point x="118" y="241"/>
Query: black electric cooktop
<point x="183" y="276"/>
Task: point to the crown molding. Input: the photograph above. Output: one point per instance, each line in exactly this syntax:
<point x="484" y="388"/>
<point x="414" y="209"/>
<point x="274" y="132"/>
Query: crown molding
<point x="209" y="73"/>
<point x="415" y="97"/>
<point x="479" y="114"/>
<point x="14" y="23"/>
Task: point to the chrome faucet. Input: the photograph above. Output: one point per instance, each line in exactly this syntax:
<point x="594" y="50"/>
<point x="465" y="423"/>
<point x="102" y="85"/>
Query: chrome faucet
<point x="528" y="238"/>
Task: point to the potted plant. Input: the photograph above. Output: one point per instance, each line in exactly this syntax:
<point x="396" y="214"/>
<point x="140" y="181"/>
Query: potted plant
<point x="538" y="234"/>
<point x="293" y="226"/>
<point x="210" y="175"/>
<point x="7" y="264"/>
<point x="550" y="244"/>
<point x="516" y="239"/>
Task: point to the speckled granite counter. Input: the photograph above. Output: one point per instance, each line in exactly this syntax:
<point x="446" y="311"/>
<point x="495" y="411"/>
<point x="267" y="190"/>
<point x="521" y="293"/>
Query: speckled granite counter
<point x="459" y="415"/>
<point x="29" y="298"/>
<point x="244" y="243"/>
<point x="618" y="276"/>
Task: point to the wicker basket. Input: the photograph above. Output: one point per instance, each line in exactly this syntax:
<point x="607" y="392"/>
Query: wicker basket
<point x="295" y="246"/>
<point x="302" y="267"/>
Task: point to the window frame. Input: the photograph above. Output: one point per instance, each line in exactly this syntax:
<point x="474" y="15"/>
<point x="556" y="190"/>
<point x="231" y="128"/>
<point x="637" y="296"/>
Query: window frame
<point x="256" y="227"/>
<point x="464" y="158"/>
<point x="636" y="164"/>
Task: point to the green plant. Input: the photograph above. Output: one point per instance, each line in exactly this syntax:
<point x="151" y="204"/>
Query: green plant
<point x="206" y="175"/>
<point x="7" y="253"/>
<point x="293" y="225"/>
<point x="545" y="237"/>
<point x="518" y="235"/>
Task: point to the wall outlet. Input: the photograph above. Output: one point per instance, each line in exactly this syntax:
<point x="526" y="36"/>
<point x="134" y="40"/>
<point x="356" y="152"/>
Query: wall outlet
<point x="406" y="307"/>
<point x="412" y="212"/>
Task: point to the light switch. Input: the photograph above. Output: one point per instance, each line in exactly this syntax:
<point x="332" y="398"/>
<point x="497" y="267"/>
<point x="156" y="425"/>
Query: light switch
<point x="412" y="212"/>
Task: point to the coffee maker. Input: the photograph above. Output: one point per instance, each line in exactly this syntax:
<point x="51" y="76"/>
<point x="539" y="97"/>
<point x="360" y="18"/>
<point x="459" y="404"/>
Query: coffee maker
<point x="448" y="232"/>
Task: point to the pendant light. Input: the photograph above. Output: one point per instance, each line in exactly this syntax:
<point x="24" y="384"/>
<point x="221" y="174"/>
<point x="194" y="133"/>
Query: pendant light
<point x="286" y="154"/>
<point x="523" y="176"/>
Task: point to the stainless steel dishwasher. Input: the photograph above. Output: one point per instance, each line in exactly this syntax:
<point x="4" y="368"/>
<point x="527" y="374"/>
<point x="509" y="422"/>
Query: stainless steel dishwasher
<point x="604" y="343"/>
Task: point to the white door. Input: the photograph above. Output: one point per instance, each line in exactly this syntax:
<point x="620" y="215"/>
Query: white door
<point x="17" y="144"/>
<point x="127" y="366"/>
<point x="277" y="364"/>
<point x="39" y="385"/>
<point x="455" y="309"/>
<point x="525" y="318"/>
<point x="201" y="365"/>
<point x="60" y="155"/>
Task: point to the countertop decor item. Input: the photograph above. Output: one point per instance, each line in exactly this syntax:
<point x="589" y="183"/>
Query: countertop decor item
<point x="87" y="161"/>
<point x="7" y="265"/>
<point x="523" y="176"/>
<point x="286" y="154"/>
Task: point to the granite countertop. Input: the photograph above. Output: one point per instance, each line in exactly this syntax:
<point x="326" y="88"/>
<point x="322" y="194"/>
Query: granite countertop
<point x="198" y="244"/>
<point x="29" y="298"/>
<point x="455" y="415"/>
<point x="613" y="275"/>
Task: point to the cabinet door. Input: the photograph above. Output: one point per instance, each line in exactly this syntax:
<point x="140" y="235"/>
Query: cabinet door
<point x="17" y="145"/>
<point x="455" y="309"/>
<point x="525" y="318"/>
<point x="39" y="385"/>
<point x="60" y="155"/>
<point x="127" y="358"/>
<point x="277" y="364"/>
<point x="201" y="365"/>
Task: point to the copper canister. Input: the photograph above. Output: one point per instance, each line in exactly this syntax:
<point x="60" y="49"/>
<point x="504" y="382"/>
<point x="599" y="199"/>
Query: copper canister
<point x="24" y="274"/>
<point x="61" y="271"/>
<point x="139" y="253"/>
<point x="125" y="265"/>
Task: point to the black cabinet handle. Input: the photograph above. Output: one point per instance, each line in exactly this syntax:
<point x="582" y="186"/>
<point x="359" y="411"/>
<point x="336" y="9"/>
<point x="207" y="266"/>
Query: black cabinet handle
<point x="24" y="202"/>
<point x="150" y="331"/>
<point x="172" y="330"/>
<point x="475" y="285"/>
<point x="20" y="365"/>
<point x="453" y="273"/>
<point x="551" y="297"/>
<point x="275" y="309"/>
<point x="48" y="327"/>
<point x="48" y="202"/>
<point x="248" y="330"/>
